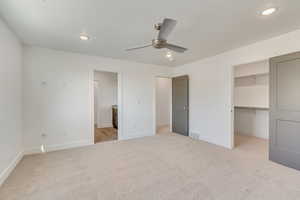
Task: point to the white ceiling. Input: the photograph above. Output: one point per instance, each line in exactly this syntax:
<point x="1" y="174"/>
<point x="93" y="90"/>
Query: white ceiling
<point x="205" y="27"/>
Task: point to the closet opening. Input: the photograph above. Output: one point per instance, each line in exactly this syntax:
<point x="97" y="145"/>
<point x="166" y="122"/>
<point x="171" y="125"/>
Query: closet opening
<point x="105" y="106"/>
<point x="251" y="107"/>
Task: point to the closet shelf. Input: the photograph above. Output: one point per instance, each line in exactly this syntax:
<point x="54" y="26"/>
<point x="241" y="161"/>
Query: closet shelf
<point x="252" y="107"/>
<point x="251" y="75"/>
<point x="253" y="87"/>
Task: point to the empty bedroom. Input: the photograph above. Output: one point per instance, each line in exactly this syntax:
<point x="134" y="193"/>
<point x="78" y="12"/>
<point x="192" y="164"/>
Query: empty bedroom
<point x="149" y="100"/>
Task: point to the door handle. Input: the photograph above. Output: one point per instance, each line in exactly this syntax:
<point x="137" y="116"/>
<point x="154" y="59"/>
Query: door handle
<point x="185" y="108"/>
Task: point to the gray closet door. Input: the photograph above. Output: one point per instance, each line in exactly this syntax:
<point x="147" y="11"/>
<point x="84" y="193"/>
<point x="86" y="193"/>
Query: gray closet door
<point x="285" y="110"/>
<point x="180" y="105"/>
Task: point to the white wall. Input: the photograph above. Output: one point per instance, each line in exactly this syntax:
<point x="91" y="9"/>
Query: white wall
<point x="252" y="122"/>
<point x="106" y="95"/>
<point x="59" y="97"/>
<point x="251" y="85"/>
<point x="249" y="69"/>
<point x="211" y="86"/>
<point x="11" y="147"/>
<point x="163" y="101"/>
<point x="252" y="96"/>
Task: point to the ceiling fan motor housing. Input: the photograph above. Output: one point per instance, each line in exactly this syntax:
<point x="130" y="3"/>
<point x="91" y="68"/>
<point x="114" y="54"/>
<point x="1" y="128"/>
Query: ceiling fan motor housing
<point x="159" y="43"/>
<point x="157" y="26"/>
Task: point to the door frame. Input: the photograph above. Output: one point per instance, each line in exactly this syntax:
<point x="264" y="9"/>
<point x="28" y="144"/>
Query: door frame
<point x="120" y="103"/>
<point x="96" y="96"/>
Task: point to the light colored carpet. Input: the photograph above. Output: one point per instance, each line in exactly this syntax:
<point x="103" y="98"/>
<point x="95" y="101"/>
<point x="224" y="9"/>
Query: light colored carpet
<point x="162" y="167"/>
<point x="105" y="134"/>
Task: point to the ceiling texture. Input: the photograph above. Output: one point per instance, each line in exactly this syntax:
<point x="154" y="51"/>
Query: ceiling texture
<point x="205" y="27"/>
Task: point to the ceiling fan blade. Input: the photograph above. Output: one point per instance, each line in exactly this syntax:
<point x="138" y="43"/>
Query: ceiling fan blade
<point x="166" y="28"/>
<point x="175" y="48"/>
<point x="139" y="47"/>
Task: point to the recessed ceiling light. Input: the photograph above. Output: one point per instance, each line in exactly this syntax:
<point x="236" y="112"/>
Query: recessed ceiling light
<point x="269" y="11"/>
<point x="84" y="37"/>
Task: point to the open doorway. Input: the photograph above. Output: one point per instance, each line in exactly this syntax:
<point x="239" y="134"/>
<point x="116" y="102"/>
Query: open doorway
<point x="163" y="104"/>
<point x="105" y="106"/>
<point x="251" y="106"/>
<point x="172" y="105"/>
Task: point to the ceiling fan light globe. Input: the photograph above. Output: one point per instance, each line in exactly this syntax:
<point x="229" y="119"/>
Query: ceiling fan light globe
<point x="169" y="55"/>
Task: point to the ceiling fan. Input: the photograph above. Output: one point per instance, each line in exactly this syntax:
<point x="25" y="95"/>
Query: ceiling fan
<point x="164" y="29"/>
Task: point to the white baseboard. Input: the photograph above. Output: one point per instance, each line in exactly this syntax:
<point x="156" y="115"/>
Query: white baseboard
<point x="196" y="135"/>
<point x="57" y="147"/>
<point x="136" y="135"/>
<point x="6" y="172"/>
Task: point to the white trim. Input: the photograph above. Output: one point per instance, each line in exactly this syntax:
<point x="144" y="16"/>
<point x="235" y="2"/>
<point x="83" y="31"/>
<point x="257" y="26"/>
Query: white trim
<point x="92" y="105"/>
<point x="136" y="135"/>
<point x="232" y="140"/>
<point x="120" y="105"/>
<point x="96" y="89"/>
<point x="57" y="147"/>
<point x="6" y="172"/>
<point x="198" y="136"/>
